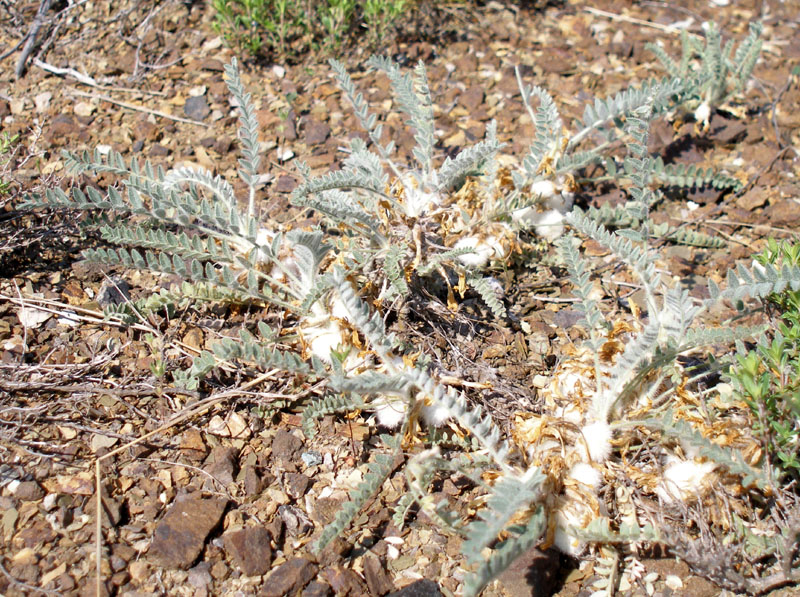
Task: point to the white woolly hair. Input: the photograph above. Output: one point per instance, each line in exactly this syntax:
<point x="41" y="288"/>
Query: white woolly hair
<point x="549" y="224"/>
<point x="435" y="415"/>
<point x="322" y="338"/>
<point x="683" y="479"/>
<point x="597" y="440"/>
<point x="390" y="413"/>
<point x="484" y="250"/>
<point x="567" y="517"/>
<point x="544" y="189"/>
<point x="585" y="473"/>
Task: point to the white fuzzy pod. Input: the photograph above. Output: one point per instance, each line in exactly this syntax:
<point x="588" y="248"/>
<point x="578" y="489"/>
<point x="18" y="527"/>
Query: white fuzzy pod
<point x="586" y="474"/>
<point x="544" y="189"/>
<point x="435" y="415"/>
<point x="703" y="113"/>
<point x="597" y="440"/>
<point x="684" y="479"/>
<point x="390" y="413"/>
<point x="484" y="250"/>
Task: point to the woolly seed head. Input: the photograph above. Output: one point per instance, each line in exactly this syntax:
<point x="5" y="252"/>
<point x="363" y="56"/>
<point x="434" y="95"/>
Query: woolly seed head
<point x="597" y="440"/>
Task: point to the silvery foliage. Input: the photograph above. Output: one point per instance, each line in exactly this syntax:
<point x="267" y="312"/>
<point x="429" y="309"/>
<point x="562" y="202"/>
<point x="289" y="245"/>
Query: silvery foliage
<point x="555" y="153"/>
<point x="722" y="70"/>
<point x="392" y="209"/>
<point x="188" y="222"/>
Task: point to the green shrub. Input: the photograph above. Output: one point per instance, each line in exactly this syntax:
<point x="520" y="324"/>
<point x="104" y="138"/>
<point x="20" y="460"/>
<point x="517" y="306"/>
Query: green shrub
<point x="289" y="28"/>
<point x="768" y="377"/>
<point x="6" y="143"/>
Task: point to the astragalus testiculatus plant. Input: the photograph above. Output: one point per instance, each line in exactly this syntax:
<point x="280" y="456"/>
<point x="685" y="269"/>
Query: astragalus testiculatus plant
<point x="619" y="411"/>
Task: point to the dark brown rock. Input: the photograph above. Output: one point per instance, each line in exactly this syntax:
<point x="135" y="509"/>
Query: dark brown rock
<point x="196" y="107"/>
<point x="146" y="130"/>
<point x="212" y="64"/>
<point x="317" y="132"/>
<point x="289" y="577"/>
<point x="158" y="151"/>
<point x="783" y="213"/>
<point x="253" y="482"/>
<point x="378" y="580"/>
<point x="420" y="588"/>
<point x="180" y="536"/>
<point x="250" y="550"/>
<point x="726" y="131"/>
<point x="297" y="484"/>
<point x="285" y="446"/>
<point x="285" y="184"/>
<point x="316" y="589"/>
<point x="472" y="98"/>
<point x="29" y="491"/>
<point x="344" y="582"/>
<point x="221" y="464"/>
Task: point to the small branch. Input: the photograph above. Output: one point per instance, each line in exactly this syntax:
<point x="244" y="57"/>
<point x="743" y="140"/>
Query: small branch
<point x="624" y="19"/>
<point x="70" y="72"/>
<point x="106" y="98"/>
<point x="38" y="21"/>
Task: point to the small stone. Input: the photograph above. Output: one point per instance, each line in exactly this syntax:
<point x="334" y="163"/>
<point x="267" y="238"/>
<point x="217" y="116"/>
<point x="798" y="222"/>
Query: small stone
<point x="221" y="464"/>
<point x="196" y="107"/>
<point x="378" y="580"/>
<point x="472" y="98"/>
<point x="253" y="482"/>
<point x="199" y="576"/>
<point x="139" y="570"/>
<point x="784" y="213"/>
<point x="317" y="132"/>
<point x="316" y="589"/>
<point x="84" y="109"/>
<point x="285" y="446"/>
<point x="50" y="501"/>
<point x="250" y="550"/>
<point x="213" y="65"/>
<point x="158" y="151"/>
<point x="180" y="536"/>
<point x="297" y="484"/>
<point x="29" y="491"/>
<point x="42" y="101"/>
<point x="192" y="445"/>
<point x="755" y="197"/>
<point x="114" y="291"/>
<point x="420" y="588"/>
<point x="289" y="578"/>
<point x="297" y="522"/>
<point x="233" y="425"/>
<point x="285" y="184"/>
<point x="725" y="131"/>
<point x="62" y="125"/>
<point x="344" y="581"/>
<point x="533" y="573"/>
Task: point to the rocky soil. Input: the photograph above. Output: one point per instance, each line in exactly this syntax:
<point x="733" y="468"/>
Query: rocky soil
<point x="221" y="493"/>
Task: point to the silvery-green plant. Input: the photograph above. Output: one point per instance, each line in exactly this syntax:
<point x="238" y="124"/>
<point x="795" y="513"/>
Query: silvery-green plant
<point x="547" y="181"/>
<point x="723" y="70"/>
<point x="395" y="213"/>
<point x="189" y="222"/>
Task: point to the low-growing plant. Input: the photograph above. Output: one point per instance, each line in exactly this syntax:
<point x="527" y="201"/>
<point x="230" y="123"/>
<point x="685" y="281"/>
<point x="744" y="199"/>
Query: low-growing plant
<point x="723" y="70"/>
<point x="620" y="410"/>
<point x="768" y="376"/>
<point x="288" y="28"/>
<point x="6" y="143"/>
